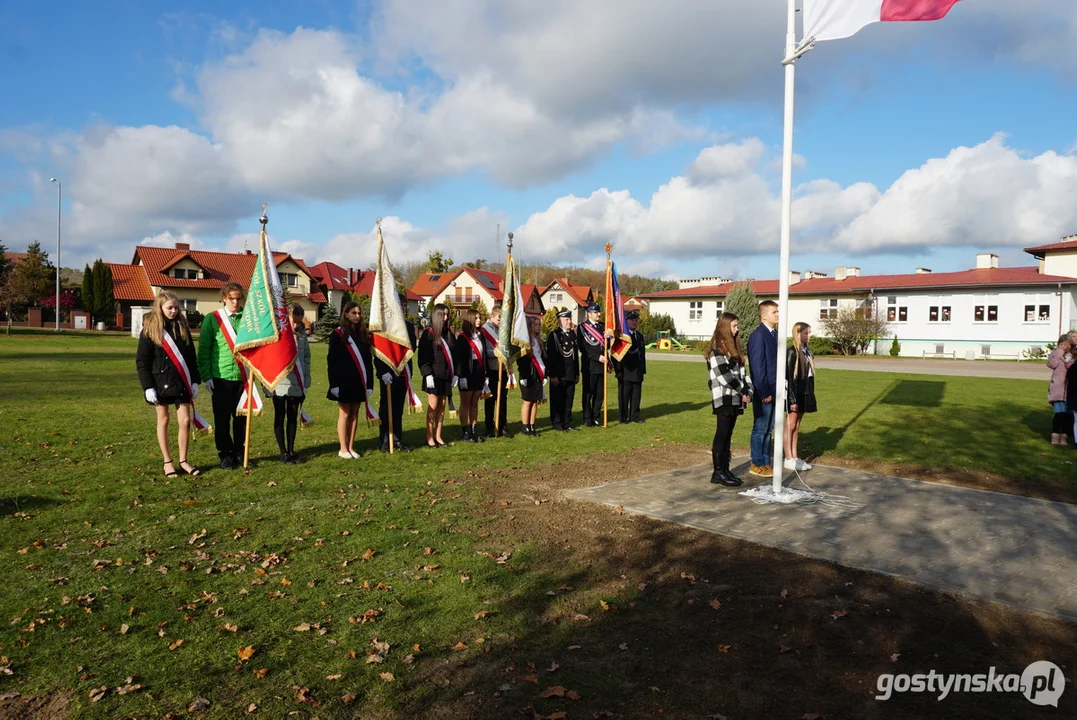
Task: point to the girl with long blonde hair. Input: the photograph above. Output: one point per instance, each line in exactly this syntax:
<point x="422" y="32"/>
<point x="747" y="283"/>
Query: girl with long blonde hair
<point x="800" y="392"/>
<point x="168" y="372"/>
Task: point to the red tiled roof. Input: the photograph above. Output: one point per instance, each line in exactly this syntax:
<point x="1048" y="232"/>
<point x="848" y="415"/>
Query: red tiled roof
<point x="430" y="284"/>
<point x="1067" y="243"/>
<point x="129" y="283"/>
<point x="988" y="277"/>
<point x="15" y="258"/>
<point x="333" y="276"/>
<point x="579" y="293"/>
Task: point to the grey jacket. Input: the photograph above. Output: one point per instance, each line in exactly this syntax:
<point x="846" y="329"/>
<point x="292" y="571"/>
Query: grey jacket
<point x="289" y="386"/>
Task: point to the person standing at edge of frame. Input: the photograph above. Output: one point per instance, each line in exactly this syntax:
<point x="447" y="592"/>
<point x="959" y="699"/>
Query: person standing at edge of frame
<point x="563" y="367"/>
<point x="592" y="343"/>
<point x="630" y="372"/>
<point x="763" y="365"/>
<point x="221" y="375"/>
<point x="396" y="386"/>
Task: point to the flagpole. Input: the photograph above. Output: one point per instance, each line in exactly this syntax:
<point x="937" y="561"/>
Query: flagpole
<point x="497" y="402"/>
<point x="786" y="233"/>
<point x="250" y="402"/>
<point x="606" y="344"/>
<point x="389" y="404"/>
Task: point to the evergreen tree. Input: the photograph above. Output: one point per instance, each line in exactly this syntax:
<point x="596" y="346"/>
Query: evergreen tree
<point x="549" y="321"/>
<point x="326" y="323"/>
<point x="650" y="325"/>
<point x="104" y="302"/>
<point x="742" y="302"/>
<point x="87" y="300"/>
<point x="38" y="273"/>
<point x="4" y="265"/>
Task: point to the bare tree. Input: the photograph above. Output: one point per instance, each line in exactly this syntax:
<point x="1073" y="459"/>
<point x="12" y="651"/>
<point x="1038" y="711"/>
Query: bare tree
<point x="852" y="330"/>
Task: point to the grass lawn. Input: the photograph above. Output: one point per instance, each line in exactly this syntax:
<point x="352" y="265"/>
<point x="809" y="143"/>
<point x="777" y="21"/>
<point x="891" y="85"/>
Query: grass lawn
<point x="343" y="589"/>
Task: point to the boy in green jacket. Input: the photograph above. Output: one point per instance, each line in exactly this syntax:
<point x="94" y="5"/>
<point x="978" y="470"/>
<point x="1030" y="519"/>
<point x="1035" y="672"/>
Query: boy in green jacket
<point x="222" y="375"/>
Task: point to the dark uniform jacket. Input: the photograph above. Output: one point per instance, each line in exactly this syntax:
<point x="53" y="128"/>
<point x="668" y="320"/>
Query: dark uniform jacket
<point x="469" y="367"/>
<point x="155" y="369"/>
<point x="431" y="358"/>
<point x="344" y="375"/>
<point x="634" y="365"/>
<point x="562" y="356"/>
<point x="590" y="348"/>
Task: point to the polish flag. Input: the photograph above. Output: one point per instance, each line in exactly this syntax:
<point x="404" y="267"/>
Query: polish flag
<point x="835" y="19"/>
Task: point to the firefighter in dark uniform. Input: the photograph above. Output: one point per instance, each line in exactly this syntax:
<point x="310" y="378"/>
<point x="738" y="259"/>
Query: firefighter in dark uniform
<point x="630" y="371"/>
<point x="563" y="369"/>
<point x="591" y="341"/>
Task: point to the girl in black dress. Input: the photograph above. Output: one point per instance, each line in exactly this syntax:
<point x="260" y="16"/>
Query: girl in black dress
<point x="351" y="374"/>
<point x="531" y="373"/>
<point x="164" y="350"/>
<point x="469" y="356"/>
<point x="437" y="368"/>
<point x="800" y="391"/>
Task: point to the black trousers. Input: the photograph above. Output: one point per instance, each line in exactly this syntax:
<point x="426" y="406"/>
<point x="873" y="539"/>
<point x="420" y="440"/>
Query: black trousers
<point x="628" y="397"/>
<point x="561" y="397"/>
<point x="229" y="429"/>
<point x="721" y="453"/>
<point x="593" y="393"/>
<point x="399" y="391"/>
<point x="490" y="405"/>
<point x="1062" y="423"/>
<point x="285" y="407"/>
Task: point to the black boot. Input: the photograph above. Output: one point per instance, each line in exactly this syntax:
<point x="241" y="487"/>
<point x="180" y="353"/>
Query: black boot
<point x="475" y="437"/>
<point x="465" y="433"/>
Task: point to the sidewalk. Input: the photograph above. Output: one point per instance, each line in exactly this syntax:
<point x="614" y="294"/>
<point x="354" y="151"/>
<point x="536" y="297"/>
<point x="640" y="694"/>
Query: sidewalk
<point x="1004" y="548"/>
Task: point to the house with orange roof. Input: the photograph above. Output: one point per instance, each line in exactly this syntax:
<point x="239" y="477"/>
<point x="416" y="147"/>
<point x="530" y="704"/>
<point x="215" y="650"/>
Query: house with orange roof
<point x="566" y="295"/>
<point x="987" y="311"/>
<point x="197" y="276"/>
<point x="335" y="281"/>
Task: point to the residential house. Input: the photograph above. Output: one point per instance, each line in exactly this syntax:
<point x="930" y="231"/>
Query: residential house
<point x="986" y="311"/>
<point x="197" y="276"/>
<point x="335" y="281"/>
<point x="565" y="295"/>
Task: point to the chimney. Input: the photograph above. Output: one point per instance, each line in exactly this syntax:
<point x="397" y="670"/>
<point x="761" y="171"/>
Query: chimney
<point x="852" y="272"/>
<point x="986" y="261"/>
<point x="183" y="246"/>
<point x="247" y="252"/>
<point x="794" y="277"/>
<point x="923" y="271"/>
<point x="839" y="272"/>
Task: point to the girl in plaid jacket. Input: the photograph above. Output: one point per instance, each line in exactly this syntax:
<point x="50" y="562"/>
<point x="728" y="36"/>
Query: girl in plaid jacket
<point x="731" y="391"/>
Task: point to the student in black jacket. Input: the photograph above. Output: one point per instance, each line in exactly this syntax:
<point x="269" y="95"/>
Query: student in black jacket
<point x="531" y="373"/>
<point x="168" y="372"/>
<point x="351" y="374"/>
<point x="630" y="371"/>
<point x="800" y="392"/>
<point x="469" y="356"/>
<point x="436" y="366"/>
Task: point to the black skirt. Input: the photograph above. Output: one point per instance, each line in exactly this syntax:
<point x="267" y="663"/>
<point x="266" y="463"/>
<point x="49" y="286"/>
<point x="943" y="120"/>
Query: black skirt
<point x="805" y="400"/>
<point x="442" y="388"/>
<point x="475" y="381"/>
<point x="183" y="398"/>
<point x="350" y="395"/>
<point x="531" y="393"/>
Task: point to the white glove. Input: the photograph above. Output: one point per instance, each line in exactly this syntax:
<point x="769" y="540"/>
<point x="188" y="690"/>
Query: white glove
<point x="209" y="384"/>
<point x="463" y="383"/>
<point x="523" y="383"/>
<point x="387" y="378"/>
<point x="429" y="382"/>
<point x="194" y="391"/>
<point x="335" y="392"/>
<point x="151" y="396"/>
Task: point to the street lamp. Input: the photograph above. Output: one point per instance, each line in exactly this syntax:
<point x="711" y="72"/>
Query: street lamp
<point x="59" y="199"/>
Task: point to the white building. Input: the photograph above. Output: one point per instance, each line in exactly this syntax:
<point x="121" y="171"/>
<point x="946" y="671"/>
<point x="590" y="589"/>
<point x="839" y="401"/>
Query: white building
<point x="984" y="312"/>
<point x="569" y="296"/>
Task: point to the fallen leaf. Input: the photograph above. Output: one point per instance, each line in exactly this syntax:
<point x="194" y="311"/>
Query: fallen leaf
<point x="607" y="607"/>
<point x="285" y="581"/>
<point x="572" y="695"/>
<point x="838" y="614"/>
<point x="175" y="645"/>
<point x="782" y="649"/>
<point x="715" y="604"/>
<point x="553" y="691"/>
<point x="337" y="676"/>
<point x="347" y="699"/>
<point x="302" y="695"/>
<point x="124" y="628"/>
<point x="533" y="679"/>
<point x="459" y="646"/>
<point x="387" y="676"/>
<point x="553" y="666"/>
<point x="261" y="673"/>
<point x="302" y="627"/>
<point x="373" y="658"/>
<point x="228" y="627"/>
<point x="251" y="709"/>
<point x="785" y="594"/>
<point x="128" y="688"/>
<point x="199" y="704"/>
<point x="723" y="648"/>
<point x="481" y="614"/>
<point x="368" y="555"/>
<point x="9" y="696"/>
<point x="894" y="657"/>
<point x="245" y="653"/>
<point x="382" y="647"/>
<point x="408" y="659"/>
<point x="98" y="693"/>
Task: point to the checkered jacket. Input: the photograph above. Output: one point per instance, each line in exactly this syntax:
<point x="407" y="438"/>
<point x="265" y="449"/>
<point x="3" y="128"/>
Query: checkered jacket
<point x="728" y="381"/>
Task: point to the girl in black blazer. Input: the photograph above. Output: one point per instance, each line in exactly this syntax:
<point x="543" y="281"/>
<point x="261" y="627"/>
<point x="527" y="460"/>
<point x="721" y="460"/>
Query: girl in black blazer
<point x="800" y="391"/>
<point x="438" y="372"/>
<point x="349" y="385"/>
<point x="532" y="390"/>
<point x="470" y="373"/>
<point x="163" y="381"/>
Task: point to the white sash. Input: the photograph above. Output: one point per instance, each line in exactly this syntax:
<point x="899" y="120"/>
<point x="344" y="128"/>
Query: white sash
<point x="493" y="343"/>
<point x="353" y="350"/>
<point x="540" y="367"/>
<point x="448" y="359"/>
<point x="174" y="354"/>
<point x="229" y="333"/>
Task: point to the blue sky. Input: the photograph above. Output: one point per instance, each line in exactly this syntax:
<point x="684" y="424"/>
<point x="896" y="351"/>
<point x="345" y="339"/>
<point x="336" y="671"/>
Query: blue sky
<point x="655" y="128"/>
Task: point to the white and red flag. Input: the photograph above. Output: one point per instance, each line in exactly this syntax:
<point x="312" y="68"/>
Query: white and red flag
<point x="835" y="19"/>
<point x="390" y="339"/>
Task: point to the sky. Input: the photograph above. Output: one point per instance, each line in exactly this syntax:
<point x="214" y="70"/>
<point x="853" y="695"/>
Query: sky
<point x="654" y="126"/>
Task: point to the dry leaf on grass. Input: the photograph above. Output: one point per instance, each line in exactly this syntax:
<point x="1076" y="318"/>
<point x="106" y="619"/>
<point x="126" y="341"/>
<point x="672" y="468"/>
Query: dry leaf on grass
<point x="251" y="709"/>
<point x="336" y="676"/>
<point x="347" y="699"/>
<point x="261" y="673"/>
<point x="458" y="647"/>
<point x="387" y="676"/>
<point x="715" y="604"/>
<point x="368" y="555"/>
<point x="553" y="691"/>
<point x="302" y="627"/>
<point x="175" y="645"/>
<point x="245" y="653"/>
<point x="572" y="695"/>
<point x="98" y="693"/>
<point x="785" y="594"/>
<point x="199" y="704"/>
<point x="373" y="658"/>
<point x="724" y="648"/>
<point x="130" y="687"/>
<point x="228" y="627"/>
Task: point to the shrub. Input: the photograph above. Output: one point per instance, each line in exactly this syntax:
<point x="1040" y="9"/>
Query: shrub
<point x="194" y="319"/>
<point x="895" y="347"/>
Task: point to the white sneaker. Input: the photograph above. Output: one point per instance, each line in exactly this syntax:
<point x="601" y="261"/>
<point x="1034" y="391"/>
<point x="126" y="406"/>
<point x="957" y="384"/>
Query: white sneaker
<point x="344" y="454"/>
<point x="790" y="464"/>
<point x="801" y="465"/>
<point x="355" y="455"/>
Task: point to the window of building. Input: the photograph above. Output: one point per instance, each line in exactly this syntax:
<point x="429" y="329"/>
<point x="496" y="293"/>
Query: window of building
<point x="1037" y="313"/>
<point x="556" y="297"/>
<point x="179" y="273"/>
<point x="828" y="308"/>
<point x="985" y="313"/>
<point x="289" y="279"/>
<point x="192" y="274"/>
<point x="895" y="312"/>
<point x="718" y="312"/>
<point x="188" y="305"/>
<point x="695" y="310"/>
<point x="938" y="313"/>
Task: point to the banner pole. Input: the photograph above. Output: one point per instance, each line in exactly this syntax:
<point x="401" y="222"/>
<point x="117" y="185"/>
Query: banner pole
<point x="250" y="402"/>
<point x="497" y="403"/>
<point x="389" y="403"/>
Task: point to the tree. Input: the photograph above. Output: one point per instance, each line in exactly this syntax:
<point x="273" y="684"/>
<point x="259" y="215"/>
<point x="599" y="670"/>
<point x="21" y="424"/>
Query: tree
<point x="87" y="301"/>
<point x="742" y="302"/>
<point x="477" y="264"/>
<point x="438" y="263"/>
<point x="895" y="347"/>
<point x="38" y="273"/>
<point x="853" y="329"/>
<point x="327" y="322"/>
<point x="650" y="325"/>
<point x="104" y="304"/>
<point x="549" y="321"/>
<point x="484" y="312"/>
<point x="4" y="265"/>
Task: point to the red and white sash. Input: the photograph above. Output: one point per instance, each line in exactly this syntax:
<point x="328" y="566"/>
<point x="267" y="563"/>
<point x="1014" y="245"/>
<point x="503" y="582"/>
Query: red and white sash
<point x="414" y="401"/>
<point x="174" y="354"/>
<point x="475" y="350"/>
<point x="353" y="350"/>
<point x="493" y="343"/>
<point x="304" y="418"/>
<point x="230" y="336"/>
<point x="448" y="359"/>
<point x="540" y="367"/>
<point x="593" y="332"/>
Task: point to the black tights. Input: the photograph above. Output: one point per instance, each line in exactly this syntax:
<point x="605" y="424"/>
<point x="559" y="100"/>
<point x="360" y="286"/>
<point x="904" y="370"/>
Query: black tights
<point x="286" y="405"/>
<point x="1063" y="423"/>
<point x="723" y="437"/>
